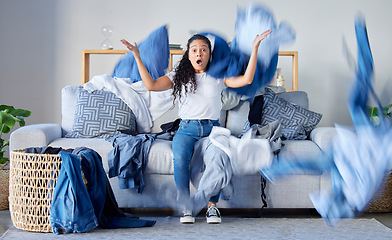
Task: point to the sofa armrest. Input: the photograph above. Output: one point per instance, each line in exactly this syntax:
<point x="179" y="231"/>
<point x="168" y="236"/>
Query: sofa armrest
<point x="36" y="135"/>
<point x="323" y="137"/>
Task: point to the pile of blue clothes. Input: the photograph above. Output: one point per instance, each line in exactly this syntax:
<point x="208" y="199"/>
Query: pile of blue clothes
<point x="77" y="207"/>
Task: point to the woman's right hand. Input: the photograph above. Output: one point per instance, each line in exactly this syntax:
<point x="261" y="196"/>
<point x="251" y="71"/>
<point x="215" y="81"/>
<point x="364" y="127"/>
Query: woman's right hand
<point x="259" y="38"/>
<point x="133" y="48"/>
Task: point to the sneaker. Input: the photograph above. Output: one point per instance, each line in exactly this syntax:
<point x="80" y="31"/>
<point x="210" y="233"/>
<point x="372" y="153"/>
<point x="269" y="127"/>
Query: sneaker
<point x="213" y="214"/>
<point x="187" y="217"/>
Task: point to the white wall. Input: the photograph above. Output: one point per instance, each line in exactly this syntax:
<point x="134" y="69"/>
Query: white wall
<point x="41" y="43"/>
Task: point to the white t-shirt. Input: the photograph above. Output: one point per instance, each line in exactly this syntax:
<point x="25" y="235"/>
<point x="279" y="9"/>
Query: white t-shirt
<point x="205" y="103"/>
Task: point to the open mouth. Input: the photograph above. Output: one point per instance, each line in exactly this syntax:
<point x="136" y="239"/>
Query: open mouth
<point x="199" y="62"/>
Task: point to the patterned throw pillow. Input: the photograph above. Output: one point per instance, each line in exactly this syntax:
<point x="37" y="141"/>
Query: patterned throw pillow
<point x="101" y="114"/>
<point x="297" y="122"/>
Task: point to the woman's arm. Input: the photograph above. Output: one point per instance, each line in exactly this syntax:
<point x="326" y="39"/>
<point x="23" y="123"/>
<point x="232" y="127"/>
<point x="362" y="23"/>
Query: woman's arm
<point x="247" y="78"/>
<point x="160" y="84"/>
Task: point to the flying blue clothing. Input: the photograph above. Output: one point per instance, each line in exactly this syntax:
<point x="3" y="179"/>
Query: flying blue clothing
<point x="232" y="61"/>
<point x="227" y="61"/>
<point x="128" y="159"/>
<point x="76" y="208"/>
<point x="154" y="50"/>
<point x="254" y="20"/>
<point x="359" y="159"/>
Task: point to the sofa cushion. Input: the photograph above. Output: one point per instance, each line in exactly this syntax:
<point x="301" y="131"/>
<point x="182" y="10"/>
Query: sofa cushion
<point x="299" y="98"/>
<point x="296" y="97"/>
<point x="300" y="150"/>
<point x="101" y="114"/>
<point x="297" y="122"/>
<point x="237" y="117"/>
<point x="160" y="158"/>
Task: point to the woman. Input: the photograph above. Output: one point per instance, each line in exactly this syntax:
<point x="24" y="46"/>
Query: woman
<point x="199" y="100"/>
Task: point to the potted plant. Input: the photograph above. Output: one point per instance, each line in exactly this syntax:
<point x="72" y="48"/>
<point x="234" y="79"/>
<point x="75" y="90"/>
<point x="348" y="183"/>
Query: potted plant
<point x="381" y="203"/>
<point x="8" y="118"/>
<point x="375" y="115"/>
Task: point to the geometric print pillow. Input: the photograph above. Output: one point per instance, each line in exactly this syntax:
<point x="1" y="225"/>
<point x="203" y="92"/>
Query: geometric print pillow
<point x="297" y="122"/>
<point x="101" y="114"/>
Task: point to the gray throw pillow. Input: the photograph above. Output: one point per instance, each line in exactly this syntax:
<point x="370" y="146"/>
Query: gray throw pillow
<point x="297" y="122"/>
<point x="101" y="114"/>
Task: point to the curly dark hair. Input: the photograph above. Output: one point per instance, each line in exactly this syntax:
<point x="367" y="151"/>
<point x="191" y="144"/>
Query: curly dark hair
<point x="185" y="73"/>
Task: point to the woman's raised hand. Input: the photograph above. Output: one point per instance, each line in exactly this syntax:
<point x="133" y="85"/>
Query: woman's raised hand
<point x="260" y="37"/>
<point x="133" y="48"/>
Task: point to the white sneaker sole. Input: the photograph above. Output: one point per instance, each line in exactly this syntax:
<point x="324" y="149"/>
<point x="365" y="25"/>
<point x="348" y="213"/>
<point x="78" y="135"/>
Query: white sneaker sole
<point x="213" y="220"/>
<point x="187" y="219"/>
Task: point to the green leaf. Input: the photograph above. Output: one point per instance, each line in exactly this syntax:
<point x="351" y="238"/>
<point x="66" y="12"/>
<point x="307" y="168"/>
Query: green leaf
<point x="11" y="122"/>
<point x="387" y="110"/>
<point x="3" y="146"/>
<point x="4" y="129"/>
<point x="3" y="160"/>
<point x="6" y="143"/>
<point x="5" y="117"/>
<point x="7" y="121"/>
<point x="20" y="112"/>
<point x="6" y="108"/>
<point x="22" y="121"/>
<point x="375" y="111"/>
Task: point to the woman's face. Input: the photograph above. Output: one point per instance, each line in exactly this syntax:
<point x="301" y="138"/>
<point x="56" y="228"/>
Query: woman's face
<point x="199" y="55"/>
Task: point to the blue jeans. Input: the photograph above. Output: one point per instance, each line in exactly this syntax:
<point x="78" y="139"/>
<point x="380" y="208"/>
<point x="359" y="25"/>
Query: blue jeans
<point x="188" y="133"/>
<point x="72" y="209"/>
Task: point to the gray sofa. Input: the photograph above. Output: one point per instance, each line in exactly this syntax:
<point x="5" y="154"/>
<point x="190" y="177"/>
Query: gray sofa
<point x="160" y="186"/>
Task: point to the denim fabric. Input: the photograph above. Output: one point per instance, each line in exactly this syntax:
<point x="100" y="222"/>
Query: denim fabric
<point x="187" y="134"/>
<point x="71" y="210"/>
<point x="76" y="208"/>
<point x="105" y="206"/>
<point x="96" y="179"/>
<point x="128" y="159"/>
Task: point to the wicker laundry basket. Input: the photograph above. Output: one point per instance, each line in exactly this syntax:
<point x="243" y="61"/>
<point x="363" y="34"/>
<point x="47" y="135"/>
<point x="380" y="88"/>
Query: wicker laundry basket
<point x="4" y="176"/>
<point x="31" y="185"/>
<point x="382" y="202"/>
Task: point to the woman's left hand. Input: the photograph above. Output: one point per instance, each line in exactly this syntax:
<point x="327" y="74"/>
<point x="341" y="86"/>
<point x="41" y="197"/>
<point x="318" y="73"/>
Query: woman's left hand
<point x="259" y="38"/>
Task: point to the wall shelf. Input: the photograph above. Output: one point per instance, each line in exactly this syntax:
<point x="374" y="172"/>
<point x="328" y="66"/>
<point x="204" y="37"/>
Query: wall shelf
<point x="86" y="63"/>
